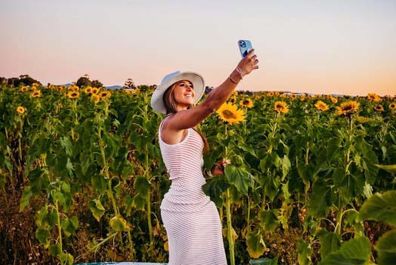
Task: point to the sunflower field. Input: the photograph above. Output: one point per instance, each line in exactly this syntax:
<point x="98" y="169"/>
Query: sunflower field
<point x="309" y="179"/>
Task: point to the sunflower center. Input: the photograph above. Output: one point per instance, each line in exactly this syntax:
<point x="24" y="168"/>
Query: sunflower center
<point x="229" y="114"/>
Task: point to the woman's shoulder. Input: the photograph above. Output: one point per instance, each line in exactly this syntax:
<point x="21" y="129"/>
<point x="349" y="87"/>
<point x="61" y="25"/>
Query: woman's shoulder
<point x="166" y="119"/>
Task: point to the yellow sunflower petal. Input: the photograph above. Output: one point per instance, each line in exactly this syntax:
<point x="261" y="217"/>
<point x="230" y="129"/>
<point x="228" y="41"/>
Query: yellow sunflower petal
<point x="230" y="113"/>
<point x="281" y="107"/>
<point x="320" y="105"/>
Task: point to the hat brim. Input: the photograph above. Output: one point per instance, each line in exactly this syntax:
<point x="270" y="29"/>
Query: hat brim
<point x="157" y="102"/>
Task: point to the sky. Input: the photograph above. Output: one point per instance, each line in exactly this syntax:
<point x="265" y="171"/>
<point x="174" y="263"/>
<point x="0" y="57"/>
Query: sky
<point x="321" y="47"/>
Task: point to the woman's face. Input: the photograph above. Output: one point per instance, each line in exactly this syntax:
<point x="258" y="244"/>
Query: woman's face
<point x="184" y="93"/>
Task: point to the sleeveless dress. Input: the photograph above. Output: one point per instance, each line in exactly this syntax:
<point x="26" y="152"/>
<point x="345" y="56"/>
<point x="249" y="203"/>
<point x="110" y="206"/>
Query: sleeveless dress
<point x="190" y="218"/>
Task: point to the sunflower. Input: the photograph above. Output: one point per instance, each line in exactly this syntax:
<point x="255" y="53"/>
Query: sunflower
<point x="73" y="88"/>
<point x="60" y="88"/>
<point x="230" y="113"/>
<point x="21" y="109"/>
<point x="73" y="94"/>
<point x="379" y="108"/>
<point x="347" y="108"/>
<point x="232" y="100"/>
<point x="333" y="99"/>
<point x="88" y="90"/>
<point x="392" y="106"/>
<point x="105" y="94"/>
<point x="132" y="91"/>
<point x="320" y="105"/>
<point x="35" y="86"/>
<point x="281" y="106"/>
<point x="36" y="93"/>
<point x="373" y="97"/>
<point x="95" y="98"/>
<point x="95" y="90"/>
<point x="24" y="88"/>
<point x="362" y="119"/>
<point x="246" y="103"/>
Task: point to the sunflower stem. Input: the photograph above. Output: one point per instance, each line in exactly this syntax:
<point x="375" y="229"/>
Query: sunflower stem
<point x="229" y="227"/>
<point x="228" y="214"/>
<point x="248" y="214"/>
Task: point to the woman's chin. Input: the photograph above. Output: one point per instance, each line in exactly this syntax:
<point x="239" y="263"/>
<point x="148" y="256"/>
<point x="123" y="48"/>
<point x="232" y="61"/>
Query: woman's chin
<point x="188" y="102"/>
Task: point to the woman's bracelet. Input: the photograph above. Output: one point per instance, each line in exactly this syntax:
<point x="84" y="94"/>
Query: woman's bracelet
<point x="239" y="71"/>
<point x="232" y="81"/>
<point x="240" y="75"/>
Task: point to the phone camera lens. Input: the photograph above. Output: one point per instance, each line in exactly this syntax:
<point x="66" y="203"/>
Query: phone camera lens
<point x="243" y="44"/>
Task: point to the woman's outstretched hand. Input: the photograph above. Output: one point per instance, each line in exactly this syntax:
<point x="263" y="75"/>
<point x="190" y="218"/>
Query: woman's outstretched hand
<point x="248" y="63"/>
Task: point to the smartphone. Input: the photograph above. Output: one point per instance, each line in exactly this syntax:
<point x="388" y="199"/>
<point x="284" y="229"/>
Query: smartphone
<point x="244" y="46"/>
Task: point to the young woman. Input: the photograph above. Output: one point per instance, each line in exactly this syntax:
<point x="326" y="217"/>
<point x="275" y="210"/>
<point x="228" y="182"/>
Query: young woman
<point x="190" y="218"/>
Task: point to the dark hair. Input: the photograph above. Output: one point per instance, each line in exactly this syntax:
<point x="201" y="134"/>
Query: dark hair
<point x="170" y="106"/>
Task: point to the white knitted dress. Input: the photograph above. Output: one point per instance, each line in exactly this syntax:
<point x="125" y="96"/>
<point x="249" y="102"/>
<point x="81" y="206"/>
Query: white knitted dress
<point x="190" y="218"/>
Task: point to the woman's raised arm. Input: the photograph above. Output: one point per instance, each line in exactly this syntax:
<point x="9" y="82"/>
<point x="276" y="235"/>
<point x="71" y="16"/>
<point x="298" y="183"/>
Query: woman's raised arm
<point x="191" y="117"/>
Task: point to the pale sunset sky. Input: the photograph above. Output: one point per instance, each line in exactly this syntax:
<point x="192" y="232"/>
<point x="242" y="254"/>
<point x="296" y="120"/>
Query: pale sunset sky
<point x="323" y="47"/>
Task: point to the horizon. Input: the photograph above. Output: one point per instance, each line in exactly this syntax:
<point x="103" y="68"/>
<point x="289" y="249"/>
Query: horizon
<point x="327" y="47"/>
<point x="211" y="87"/>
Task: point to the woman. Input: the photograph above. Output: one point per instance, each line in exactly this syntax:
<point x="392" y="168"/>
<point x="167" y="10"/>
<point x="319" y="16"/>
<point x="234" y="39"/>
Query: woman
<point x="190" y="218"/>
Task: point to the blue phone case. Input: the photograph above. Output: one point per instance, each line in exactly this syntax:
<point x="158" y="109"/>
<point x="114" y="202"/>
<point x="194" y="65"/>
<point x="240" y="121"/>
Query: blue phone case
<point x="244" y="46"/>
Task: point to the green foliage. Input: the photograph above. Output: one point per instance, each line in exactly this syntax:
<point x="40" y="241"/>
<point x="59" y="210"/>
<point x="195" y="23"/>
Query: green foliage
<point x="329" y="242"/>
<point x="304" y="251"/>
<point x="268" y="220"/>
<point x="354" y="251"/>
<point x="240" y="178"/>
<point x="119" y="224"/>
<point x="386" y="248"/>
<point x="255" y="244"/>
<point x="97" y="169"/>
<point x="380" y="207"/>
<point x="97" y="209"/>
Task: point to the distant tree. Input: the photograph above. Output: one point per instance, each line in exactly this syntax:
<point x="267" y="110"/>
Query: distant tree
<point x="13" y="81"/>
<point x="96" y="83"/>
<point x="129" y="84"/>
<point x="27" y="80"/>
<point x="83" y="81"/>
<point x="3" y="80"/>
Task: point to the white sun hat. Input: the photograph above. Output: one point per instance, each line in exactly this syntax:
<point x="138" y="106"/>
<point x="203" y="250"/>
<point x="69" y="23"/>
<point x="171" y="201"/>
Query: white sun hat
<point x="157" y="102"/>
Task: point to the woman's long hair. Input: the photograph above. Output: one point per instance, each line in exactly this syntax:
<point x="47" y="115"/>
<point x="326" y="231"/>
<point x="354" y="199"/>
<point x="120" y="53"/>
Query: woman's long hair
<point x="170" y="106"/>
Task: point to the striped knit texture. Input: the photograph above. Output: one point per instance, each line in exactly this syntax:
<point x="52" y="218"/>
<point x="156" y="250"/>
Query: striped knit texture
<point x="190" y="218"/>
